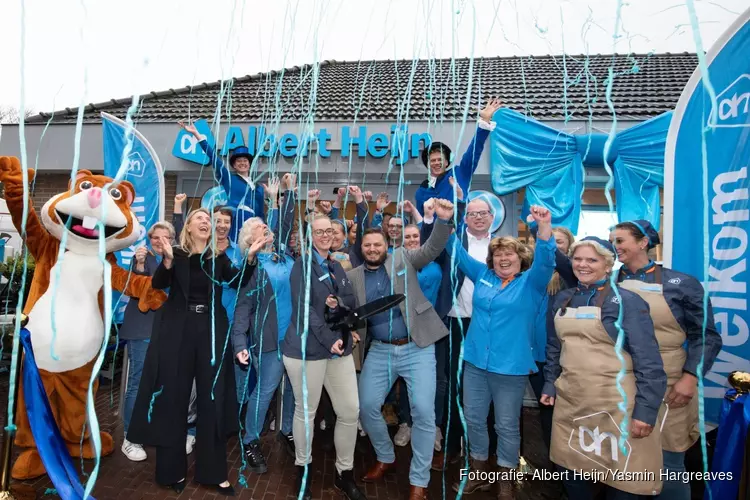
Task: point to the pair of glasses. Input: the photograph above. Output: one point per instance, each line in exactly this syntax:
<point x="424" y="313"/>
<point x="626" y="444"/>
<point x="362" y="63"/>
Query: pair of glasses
<point x="478" y="215"/>
<point x="321" y="232"/>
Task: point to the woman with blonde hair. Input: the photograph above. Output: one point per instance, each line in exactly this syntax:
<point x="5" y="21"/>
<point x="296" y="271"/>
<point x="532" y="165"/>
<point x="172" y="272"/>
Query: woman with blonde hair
<point x="190" y="342"/>
<point x="498" y="356"/>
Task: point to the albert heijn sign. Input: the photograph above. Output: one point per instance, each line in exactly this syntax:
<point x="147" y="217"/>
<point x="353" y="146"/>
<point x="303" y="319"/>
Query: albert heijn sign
<point x="399" y="144"/>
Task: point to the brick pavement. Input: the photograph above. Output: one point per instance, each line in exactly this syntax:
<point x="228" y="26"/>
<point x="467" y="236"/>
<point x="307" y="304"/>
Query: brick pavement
<point x="120" y="478"/>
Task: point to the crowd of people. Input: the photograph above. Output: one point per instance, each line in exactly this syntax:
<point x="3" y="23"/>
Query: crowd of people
<point x="255" y="288"/>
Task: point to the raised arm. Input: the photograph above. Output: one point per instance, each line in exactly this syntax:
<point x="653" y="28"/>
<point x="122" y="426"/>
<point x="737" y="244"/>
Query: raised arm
<point x="544" y="252"/>
<point x="221" y="172"/>
<point x="435" y="244"/>
<point x="472" y="268"/>
<point x="35" y="235"/>
<point x="470" y="160"/>
<point x="287" y="212"/>
<point x="355" y="253"/>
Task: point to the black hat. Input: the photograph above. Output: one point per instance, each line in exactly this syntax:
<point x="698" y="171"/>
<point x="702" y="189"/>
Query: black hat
<point x="435" y="146"/>
<point x="603" y="243"/>
<point x="648" y="231"/>
<point x="240" y="152"/>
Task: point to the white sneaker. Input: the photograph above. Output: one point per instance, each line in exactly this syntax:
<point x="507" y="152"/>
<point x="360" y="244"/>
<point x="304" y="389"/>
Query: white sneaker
<point x="438" y="439"/>
<point x="403" y="436"/>
<point x="361" y="430"/>
<point x="134" y="452"/>
<point x="189" y="443"/>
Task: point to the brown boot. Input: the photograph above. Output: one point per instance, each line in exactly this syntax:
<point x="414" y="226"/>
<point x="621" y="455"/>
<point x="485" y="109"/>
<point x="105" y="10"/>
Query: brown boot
<point x="417" y="493"/>
<point x="505" y="487"/>
<point x="378" y="471"/>
<point x="439" y="463"/>
<point x="478" y="480"/>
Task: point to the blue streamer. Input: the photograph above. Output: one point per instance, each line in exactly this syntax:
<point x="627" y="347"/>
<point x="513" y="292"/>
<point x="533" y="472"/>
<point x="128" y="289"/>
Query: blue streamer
<point x="153" y="400"/>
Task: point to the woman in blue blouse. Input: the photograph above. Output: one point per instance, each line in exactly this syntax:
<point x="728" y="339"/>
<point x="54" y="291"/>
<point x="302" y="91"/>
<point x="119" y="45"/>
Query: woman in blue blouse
<point x="264" y="310"/>
<point x="498" y="356"/>
<point x="243" y="195"/>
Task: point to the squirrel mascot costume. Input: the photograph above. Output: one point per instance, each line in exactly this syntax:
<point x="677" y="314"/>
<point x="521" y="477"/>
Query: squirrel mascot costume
<point x="75" y="283"/>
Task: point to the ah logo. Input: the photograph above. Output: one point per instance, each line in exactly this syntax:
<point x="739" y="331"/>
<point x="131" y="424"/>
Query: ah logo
<point x="186" y="146"/>
<point x="675" y="281"/>
<point x="601" y="444"/>
<point x="615" y="299"/>
<point x="136" y="164"/>
<point x="733" y="104"/>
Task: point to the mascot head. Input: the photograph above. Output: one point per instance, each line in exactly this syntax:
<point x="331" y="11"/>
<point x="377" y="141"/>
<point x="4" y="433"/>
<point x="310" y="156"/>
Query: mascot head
<point x="79" y="210"/>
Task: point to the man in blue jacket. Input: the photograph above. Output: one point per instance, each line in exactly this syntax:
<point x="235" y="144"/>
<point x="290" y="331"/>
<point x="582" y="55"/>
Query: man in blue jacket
<point x="437" y="158"/>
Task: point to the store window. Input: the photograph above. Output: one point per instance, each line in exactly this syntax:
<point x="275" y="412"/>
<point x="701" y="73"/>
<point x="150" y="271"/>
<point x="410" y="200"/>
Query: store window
<point x="596" y="223"/>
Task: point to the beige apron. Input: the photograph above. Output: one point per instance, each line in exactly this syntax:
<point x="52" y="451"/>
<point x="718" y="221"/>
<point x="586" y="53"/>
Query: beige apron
<point x="586" y="419"/>
<point x="680" y="431"/>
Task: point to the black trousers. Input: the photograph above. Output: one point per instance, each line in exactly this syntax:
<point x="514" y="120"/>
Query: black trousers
<point x="210" y="448"/>
<point x="545" y="412"/>
<point x="450" y="349"/>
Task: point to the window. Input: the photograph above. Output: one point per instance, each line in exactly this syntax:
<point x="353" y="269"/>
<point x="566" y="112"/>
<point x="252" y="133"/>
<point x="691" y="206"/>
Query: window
<point x="596" y="223"/>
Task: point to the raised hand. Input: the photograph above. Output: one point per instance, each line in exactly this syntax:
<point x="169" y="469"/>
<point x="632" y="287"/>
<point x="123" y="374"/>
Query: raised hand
<point x="367" y="195"/>
<point x="444" y="209"/>
<point x="272" y="188"/>
<point x="140" y="255"/>
<point x="429" y="208"/>
<point x="312" y="197"/>
<point x="406" y="207"/>
<point x="456" y="188"/>
<point x="258" y="245"/>
<point x="167" y="254"/>
<point x="356" y="192"/>
<point x="189" y="128"/>
<point x="489" y="110"/>
<point x="382" y="201"/>
<point x="325" y="207"/>
<point x="540" y="215"/>
<point x="341" y="193"/>
<point x="289" y="181"/>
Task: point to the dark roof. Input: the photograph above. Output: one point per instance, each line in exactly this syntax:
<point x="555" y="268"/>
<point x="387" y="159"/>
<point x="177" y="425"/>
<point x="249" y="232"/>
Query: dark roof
<point x="548" y="87"/>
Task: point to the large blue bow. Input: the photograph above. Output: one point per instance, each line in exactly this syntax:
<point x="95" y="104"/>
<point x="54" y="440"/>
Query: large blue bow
<point x="550" y="164"/>
<point x="729" y="454"/>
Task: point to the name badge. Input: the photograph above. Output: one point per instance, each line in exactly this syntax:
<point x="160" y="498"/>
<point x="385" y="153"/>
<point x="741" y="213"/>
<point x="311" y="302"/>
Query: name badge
<point x="651" y="288"/>
<point x="485" y="282"/>
<point x="402" y="272"/>
<point x="585" y="316"/>
<point x="324" y="277"/>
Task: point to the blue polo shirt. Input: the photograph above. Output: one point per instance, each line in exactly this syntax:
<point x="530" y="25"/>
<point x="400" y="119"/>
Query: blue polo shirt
<point x="388" y="325"/>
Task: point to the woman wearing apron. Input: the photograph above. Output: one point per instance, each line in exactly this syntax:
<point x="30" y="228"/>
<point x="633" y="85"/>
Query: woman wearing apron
<point x="581" y="373"/>
<point x="676" y="304"/>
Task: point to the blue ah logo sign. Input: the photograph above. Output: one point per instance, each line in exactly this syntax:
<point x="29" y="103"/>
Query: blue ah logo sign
<point x="186" y="146"/>
<point x="733" y="104"/>
<point x="136" y="164"/>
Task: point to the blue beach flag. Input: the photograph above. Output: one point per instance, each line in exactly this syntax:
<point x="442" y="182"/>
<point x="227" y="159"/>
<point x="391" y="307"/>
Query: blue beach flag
<point x="147" y="176"/>
<point x="712" y="214"/>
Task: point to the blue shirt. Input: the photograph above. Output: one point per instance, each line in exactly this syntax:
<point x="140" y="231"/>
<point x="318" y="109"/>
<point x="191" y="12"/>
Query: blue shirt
<point x="278" y="271"/>
<point x="430" y="277"/>
<point x="388" y="325"/>
<point x="246" y="199"/>
<point x="503" y="321"/>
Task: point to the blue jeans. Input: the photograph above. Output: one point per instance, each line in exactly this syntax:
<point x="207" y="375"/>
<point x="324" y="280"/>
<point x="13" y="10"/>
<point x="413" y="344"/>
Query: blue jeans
<point x="271" y="369"/>
<point x="481" y="387"/>
<point x="383" y="365"/>
<point x="137" y="350"/>
<point x="677" y="490"/>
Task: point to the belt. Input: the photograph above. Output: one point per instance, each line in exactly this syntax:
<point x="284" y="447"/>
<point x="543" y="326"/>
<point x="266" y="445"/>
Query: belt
<point x="198" y="308"/>
<point x="402" y="341"/>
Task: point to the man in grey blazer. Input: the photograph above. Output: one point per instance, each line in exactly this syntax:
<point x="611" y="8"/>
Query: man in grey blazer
<point x="402" y="345"/>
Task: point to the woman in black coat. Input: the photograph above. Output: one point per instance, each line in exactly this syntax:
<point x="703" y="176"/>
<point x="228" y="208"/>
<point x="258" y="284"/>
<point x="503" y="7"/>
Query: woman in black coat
<point x="189" y="341"/>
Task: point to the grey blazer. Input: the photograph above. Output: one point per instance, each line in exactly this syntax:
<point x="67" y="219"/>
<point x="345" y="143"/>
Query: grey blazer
<point x="424" y="325"/>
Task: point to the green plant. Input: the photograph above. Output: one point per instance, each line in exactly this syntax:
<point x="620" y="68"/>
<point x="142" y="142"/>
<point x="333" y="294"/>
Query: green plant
<point x="13" y="270"/>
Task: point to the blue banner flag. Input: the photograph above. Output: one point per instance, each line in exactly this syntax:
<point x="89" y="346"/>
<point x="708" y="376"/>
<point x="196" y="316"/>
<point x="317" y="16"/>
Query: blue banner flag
<point x="706" y="213"/>
<point x="146" y="175"/>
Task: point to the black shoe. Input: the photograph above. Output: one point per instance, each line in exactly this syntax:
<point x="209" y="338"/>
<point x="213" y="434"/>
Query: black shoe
<point x="256" y="462"/>
<point x="345" y="483"/>
<point x="288" y="441"/>
<point x="227" y="491"/>
<point x="300" y="476"/>
<point x="179" y="486"/>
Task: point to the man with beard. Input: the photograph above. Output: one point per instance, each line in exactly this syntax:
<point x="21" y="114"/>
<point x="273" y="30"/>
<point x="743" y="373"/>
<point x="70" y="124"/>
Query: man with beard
<point x="402" y="345"/>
